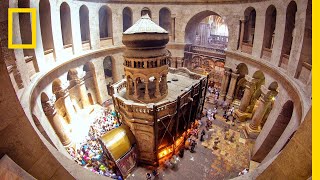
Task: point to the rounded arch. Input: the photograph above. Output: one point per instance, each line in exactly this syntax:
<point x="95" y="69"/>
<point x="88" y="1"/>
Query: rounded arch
<point x="46" y="25"/>
<point x="72" y="74"/>
<point x="126" y="18"/>
<point x="66" y="29"/>
<point x="191" y="27"/>
<point x="88" y="66"/>
<point x="249" y="26"/>
<point x="276" y="131"/>
<point x="145" y="11"/>
<point x="84" y="25"/>
<point x="56" y="85"/>
<point x="258" y="75"/>
<point x="273" y="86"/>
<point x="41" y="129"/>
<point x="165" y="19"/>
<point x="107" y="66"/>
<point x="242" y="70"/>
<point x="105" y="22"/>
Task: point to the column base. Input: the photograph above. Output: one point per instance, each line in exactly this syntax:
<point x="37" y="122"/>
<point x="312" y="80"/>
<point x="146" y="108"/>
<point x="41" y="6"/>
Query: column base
<point x="221" y="97"/>
<point x="229" y="99"/>
<point x="242" y="116"/>
<point x="252" y="133"/>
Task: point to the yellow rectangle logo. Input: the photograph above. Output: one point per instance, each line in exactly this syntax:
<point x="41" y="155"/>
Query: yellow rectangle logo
<point x="33" y="13"/>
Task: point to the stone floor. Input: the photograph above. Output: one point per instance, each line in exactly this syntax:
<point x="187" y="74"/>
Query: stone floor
<point x="231" y="156"/>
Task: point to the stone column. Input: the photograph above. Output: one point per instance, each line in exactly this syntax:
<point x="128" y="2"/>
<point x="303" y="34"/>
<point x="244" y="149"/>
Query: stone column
<point x="245" y="101"/>
<point x="242" y="21"/>
<point x="83" y="93"/>
<point x="297" y="41"/>
<point x="136" y="95"/>
<point x="146" y="91"/>
<point x="278" y="37"/>
<point x="179" y="62"/>
<point x="259" y="29"/>
<point x="157" y="93"/>
<point x="94" y="28"/>
<point x="225" y="82"/>
<point x="253" y="129"/>
<point x="58" y="123"/>
<point x="232" y="87"/>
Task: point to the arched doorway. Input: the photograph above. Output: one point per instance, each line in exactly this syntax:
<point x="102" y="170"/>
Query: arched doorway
<point x="126" y="18"/>
<point x="84" y="27"/>
<point x="207" y="28"/>
<point x="105" y="26"/>
<point x="276" y="131"/>
<point x="288" y="34"/>
<point x="145" y="11"/>
<point x="249" y="30"/>
<point x="268" y="38"/>
<point x="46" y="27"/>
<point x="66" y="29"/>
<point x="107" y="66"/>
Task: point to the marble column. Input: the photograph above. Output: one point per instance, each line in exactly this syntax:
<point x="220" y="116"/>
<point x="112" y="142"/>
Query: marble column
<point x="253" y="129"/>
<point x="179" y="62"/>
<point x="57" y="122"/>
<point x="224" y="85"/>
<point x="136" y="95"/>
<point x="242" y="21"/>
<point x="245" y="101"/>
<point x="232" y="87"/>
<point x="83" y="93"/>
<point x="63" y="95"/>
<point x="157" y="93"/>
<point x="146" y="91"/>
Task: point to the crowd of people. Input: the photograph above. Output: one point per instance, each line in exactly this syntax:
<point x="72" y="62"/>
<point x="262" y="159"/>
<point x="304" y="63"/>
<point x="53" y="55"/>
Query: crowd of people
<point x="89" y="153"/>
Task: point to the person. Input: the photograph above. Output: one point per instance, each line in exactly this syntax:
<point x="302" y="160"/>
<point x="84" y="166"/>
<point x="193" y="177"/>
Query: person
<point x="245" y="171"/>
<point x="187" y="143"/>
<point x="215" y="145"/>
<point x="155" y="173"/>
<point x="193" y="145"/>
<point x="201" y="138"/>
<point x="181" y="152"/>
<point x="148" y="176"/>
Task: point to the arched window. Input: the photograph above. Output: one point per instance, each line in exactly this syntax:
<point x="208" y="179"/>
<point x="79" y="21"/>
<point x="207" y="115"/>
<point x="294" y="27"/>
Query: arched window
<point x="105" y="22"/>
<point x="46" y="25"/>
<point x="270" y="25"/>
<point x="145" y="11"/>
<point x="66" y="29"/>
<point x="249" y="27"/>
<point x="84" y="27"/>
<point x="165" y="19"/>
<point x="288" y="34"/>
<point x="126" y="18"/>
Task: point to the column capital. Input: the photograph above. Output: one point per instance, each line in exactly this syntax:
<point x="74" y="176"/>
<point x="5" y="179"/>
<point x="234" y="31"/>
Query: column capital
<point x="48" y="108"/>
<point x="226" y="68"/>
<point x="267" y="95"/>
<point x="234" y="75"/>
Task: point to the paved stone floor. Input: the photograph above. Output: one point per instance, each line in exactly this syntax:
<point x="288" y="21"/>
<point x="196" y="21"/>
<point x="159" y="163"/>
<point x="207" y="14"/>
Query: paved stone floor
<point x="231" y="156"/>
